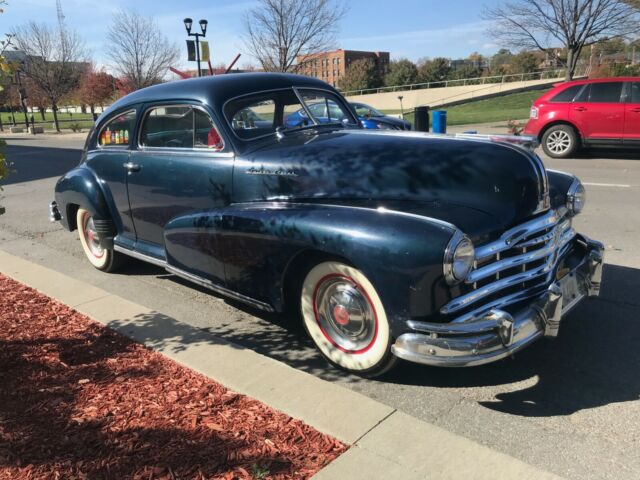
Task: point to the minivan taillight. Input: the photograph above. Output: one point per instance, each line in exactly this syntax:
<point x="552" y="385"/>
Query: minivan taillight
<point x="533" y="113"/>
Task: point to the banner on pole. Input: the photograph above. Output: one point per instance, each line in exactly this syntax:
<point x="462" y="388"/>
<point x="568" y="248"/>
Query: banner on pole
<point x="204" y="56"/>
<point x="191" y="50"/>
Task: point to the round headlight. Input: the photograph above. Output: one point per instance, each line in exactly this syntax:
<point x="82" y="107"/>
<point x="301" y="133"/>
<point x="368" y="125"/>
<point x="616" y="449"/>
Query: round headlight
<point x="576" y="198"/>
<point x="458" y="258"/>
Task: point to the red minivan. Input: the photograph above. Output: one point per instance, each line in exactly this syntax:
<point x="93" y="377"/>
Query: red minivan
<point x="602" y="111"/>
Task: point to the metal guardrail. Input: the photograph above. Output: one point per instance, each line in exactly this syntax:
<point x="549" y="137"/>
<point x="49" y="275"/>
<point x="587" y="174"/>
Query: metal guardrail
<point x="511" y="78"/>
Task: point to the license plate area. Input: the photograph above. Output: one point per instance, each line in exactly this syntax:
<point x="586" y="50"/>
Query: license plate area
<point x="571" y="291"/>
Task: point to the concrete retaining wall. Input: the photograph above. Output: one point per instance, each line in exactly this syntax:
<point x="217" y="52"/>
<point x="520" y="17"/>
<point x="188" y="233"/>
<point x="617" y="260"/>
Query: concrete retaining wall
<point x="440" y="96"/>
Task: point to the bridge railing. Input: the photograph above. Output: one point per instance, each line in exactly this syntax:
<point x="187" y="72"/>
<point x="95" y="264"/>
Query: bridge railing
<point x="514" y="77"/>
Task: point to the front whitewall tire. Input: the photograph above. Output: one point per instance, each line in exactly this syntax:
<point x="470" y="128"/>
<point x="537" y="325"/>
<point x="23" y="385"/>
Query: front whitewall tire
<point x="373" y="353"/>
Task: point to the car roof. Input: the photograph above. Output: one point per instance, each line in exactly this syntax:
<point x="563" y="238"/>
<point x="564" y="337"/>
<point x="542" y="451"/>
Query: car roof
<point x="582" y="81"/>
<point x="217" y="89"/>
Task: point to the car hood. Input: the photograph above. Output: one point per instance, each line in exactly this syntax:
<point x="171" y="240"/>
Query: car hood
<point x="480" y="186"/>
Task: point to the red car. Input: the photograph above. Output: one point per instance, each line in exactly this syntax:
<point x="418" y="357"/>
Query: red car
<point x="602" y="111"/>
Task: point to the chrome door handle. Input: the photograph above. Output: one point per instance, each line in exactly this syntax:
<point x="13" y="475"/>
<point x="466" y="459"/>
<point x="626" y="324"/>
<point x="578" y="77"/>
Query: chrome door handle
<point x="580" y="109"/>
<point x="131" y="167"/>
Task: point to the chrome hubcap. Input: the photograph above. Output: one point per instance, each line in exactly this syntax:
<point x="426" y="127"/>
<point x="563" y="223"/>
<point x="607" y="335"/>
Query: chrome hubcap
<point x="91" y="237"/>
<point x="558" y="141"/>
<point x="344" y="313"/>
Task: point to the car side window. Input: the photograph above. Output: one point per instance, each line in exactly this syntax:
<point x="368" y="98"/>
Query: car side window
<point x="567" y="94"/>
<point x="635" y="92"/>
<point x="605" y="92"/>
<point x="179" y="126"/>
<point x="255" y="119"/>
<point x="117" y="132"/>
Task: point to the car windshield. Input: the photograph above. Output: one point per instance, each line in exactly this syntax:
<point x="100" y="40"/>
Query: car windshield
<point x="254" y="116"/>
<point x="364" y="110"/>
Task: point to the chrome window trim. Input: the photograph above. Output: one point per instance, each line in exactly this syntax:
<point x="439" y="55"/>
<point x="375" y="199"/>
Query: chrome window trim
<point x="266" y="92"/>
<point x="144" y="114"/>
<point x="115" y="148"/>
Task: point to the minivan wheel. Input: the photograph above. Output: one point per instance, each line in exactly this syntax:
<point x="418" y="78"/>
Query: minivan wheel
<point x="560" y="141"/>
<point x="345" y="318"/>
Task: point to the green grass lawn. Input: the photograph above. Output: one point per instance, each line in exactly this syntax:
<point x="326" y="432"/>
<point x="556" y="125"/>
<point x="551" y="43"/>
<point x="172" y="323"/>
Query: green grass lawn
<point x="515" y="106"/>
<point x="85" y="120"/>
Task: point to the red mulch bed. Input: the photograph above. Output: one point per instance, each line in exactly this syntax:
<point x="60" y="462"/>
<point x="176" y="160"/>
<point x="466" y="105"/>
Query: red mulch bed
<point x="81" y="401"/>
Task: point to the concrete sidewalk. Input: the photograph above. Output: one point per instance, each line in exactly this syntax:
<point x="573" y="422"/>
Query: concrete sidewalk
<point x="385" y="443"/>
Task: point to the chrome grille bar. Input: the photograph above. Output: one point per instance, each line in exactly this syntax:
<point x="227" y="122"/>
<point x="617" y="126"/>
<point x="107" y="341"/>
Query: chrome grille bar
<point x="551" y="245"/>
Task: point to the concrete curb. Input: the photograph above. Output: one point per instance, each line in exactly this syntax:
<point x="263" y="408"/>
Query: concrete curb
<point x="385" y="443"/>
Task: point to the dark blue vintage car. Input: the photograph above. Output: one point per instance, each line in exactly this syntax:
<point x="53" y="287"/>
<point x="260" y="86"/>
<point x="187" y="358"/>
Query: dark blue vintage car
<point x="438" y="250"/>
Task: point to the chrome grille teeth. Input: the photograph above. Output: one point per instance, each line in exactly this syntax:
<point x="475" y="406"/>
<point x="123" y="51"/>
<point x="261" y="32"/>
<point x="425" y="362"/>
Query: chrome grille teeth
<point x="532" y="257"/>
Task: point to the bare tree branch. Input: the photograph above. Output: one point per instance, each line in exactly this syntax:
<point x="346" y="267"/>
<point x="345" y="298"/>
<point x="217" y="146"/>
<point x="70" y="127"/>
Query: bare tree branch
<point x="138" y="50"/>
<point x="54" y="60"/>
<point x="279" y="31"/>
<point x="574" y="24"/>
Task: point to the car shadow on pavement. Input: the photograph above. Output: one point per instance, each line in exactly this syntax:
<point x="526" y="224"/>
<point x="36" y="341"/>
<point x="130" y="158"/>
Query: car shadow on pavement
<point x="594" y="361"/>
<point x="598" y="153"/>
<point x="35" y="163"/>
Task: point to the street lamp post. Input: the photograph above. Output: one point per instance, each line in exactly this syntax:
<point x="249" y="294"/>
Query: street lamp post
<point x="400" y="97"/>
<point x="203" y="27"/>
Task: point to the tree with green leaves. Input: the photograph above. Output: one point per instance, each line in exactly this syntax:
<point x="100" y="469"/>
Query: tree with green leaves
<point x="4" y="70"/>
<point x="575" y="24"/>
<point x="436" y="70"/>
<point x="524" y="62"/>
<point x="360" y="75"/>
<point x="401" y="72"/>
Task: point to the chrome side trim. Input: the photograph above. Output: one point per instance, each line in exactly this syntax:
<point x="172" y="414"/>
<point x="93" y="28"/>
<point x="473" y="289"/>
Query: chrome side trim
<point x="218" y="289"/>
<point x="140" y="256"/>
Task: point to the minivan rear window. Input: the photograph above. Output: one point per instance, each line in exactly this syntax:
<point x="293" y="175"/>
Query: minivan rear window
<point x="567" y="94"/>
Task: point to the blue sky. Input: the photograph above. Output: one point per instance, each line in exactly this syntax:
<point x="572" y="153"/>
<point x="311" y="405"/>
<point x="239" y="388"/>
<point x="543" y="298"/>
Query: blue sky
<point x="406" y="28"/>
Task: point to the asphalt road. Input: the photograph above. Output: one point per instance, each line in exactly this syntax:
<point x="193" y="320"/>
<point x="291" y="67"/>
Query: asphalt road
<point x="571" y="406"/>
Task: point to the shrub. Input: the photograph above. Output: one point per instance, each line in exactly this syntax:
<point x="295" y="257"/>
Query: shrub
<point x="75" y="127"/>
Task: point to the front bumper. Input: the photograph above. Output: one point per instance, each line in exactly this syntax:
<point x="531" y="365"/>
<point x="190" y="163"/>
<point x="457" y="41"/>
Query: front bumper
<point x="497" y="333"/>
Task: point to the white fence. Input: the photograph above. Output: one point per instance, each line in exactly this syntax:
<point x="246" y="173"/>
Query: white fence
<point x="515" y="77"/>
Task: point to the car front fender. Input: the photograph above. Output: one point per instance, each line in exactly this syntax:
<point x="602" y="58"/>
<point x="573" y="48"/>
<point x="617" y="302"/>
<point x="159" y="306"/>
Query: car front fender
<point x="259" y="243"/>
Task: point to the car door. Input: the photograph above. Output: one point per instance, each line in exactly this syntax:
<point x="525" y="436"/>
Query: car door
<point x="106" y="156"/>
<point x="180" y="165"/>
<point x="598" y="112"/>
<point x="632" y="114"/>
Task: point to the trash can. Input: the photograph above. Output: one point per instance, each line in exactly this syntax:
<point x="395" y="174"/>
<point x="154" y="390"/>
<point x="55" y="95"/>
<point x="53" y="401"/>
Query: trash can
<point x="421" y="119"/>
<point x="439" y="121"/>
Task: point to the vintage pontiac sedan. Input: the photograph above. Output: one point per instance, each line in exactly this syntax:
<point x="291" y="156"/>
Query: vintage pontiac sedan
<point x="433" y="249"/>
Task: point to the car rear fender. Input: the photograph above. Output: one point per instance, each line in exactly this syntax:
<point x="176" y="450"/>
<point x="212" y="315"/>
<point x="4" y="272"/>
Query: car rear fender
<point x="79" y="188"/>
<point x="261" y="244"/>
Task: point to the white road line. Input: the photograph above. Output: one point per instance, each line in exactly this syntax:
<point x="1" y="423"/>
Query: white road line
<point x="616" y="185"/>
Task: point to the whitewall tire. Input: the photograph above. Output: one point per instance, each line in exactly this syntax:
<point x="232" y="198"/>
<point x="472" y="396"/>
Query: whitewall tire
<point x="103" y="259"/>
<point x="345" y="318"/>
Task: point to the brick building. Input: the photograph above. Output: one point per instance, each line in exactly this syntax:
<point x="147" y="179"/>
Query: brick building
<point x="330" y="66"/>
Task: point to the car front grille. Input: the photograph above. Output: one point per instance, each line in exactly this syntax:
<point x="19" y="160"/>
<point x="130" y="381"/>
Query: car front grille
<point x="518" y="264"/>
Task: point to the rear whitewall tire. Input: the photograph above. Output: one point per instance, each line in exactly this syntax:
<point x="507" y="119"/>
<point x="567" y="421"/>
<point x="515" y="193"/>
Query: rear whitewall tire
<point x="104" y="259"/>
<point x="372" y="354"/>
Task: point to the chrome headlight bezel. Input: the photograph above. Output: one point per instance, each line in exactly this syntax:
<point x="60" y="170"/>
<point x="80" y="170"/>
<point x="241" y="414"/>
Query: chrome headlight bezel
<point x="576" y="198"/>
<point x="459" y="258"/>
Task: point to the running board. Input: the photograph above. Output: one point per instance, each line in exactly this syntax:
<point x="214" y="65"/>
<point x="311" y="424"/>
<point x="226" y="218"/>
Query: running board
<point x="218" y="289"/>
<point x="195" y="279"/>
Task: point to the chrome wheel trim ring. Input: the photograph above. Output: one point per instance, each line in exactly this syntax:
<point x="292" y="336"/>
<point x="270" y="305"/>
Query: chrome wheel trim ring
<point x="345" y="314"/>
<point x="558" y="142"/>
<point x="91" y="236"/>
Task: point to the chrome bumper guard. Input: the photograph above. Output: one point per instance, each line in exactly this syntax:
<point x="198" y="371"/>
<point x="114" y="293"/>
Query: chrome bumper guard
<point x="54" y="213"/>
<point x="497" y="334"/>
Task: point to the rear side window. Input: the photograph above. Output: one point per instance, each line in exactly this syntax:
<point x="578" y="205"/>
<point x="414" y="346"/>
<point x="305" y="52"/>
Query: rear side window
<point x="179" y="126"/>
<point x="635" y="92"/>
<point x="117" y="132"/>
<point x="605" y="92"/>
<point x="567" y="94"/>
